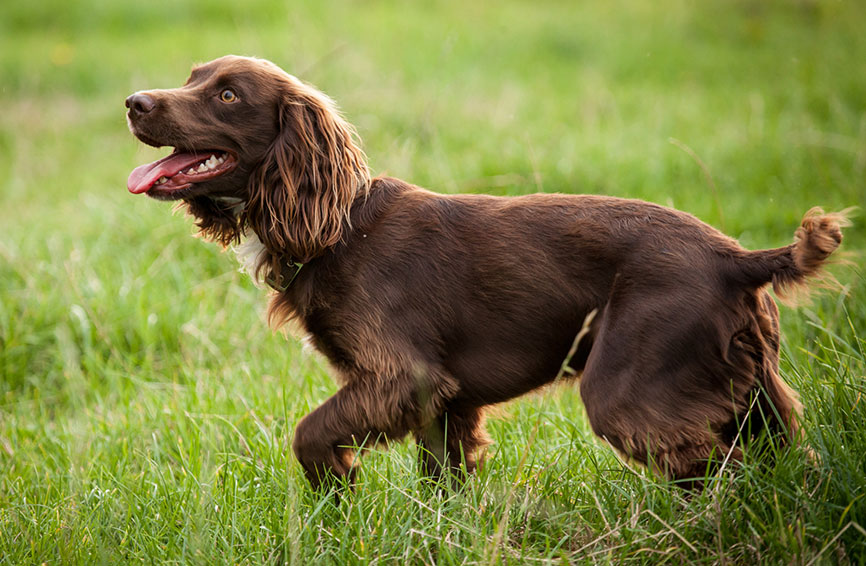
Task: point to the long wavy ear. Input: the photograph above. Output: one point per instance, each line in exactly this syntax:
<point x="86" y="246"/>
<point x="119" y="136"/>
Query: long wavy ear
<point x="301" y="195"/>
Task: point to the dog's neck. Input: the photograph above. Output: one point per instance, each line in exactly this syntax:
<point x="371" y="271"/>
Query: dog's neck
<point x="237" y="204"/>
<point x="256" y="260"/>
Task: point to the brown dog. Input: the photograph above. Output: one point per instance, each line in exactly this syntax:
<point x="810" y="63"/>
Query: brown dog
<point x="431" y="307"/>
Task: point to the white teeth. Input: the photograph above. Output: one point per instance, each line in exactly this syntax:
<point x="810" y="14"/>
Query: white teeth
<point x="161" y="180"/>
<point x="210" y="164"/>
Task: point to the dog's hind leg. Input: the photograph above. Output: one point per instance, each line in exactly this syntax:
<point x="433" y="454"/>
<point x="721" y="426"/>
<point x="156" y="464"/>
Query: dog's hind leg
<point x="657" y="388"/>
<point x="784" y="408"/>
<point x="680" y="451"/>
<point x="775" y="407"/>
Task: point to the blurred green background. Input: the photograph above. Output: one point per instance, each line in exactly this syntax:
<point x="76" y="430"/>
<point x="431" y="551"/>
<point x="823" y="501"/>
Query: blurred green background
<point x="143" y="399"/>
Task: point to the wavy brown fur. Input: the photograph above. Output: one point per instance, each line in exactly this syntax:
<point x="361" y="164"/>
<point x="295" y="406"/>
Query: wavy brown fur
<point x="216" y="221"/>
<point x="300" y="195"/>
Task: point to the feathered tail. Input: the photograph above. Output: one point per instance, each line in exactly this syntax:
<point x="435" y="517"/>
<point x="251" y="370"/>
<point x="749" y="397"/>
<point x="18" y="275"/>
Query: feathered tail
<point x="790" y="267"/>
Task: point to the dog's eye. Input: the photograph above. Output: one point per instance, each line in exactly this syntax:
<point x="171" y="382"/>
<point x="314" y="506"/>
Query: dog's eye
<point x="228" y="96"/>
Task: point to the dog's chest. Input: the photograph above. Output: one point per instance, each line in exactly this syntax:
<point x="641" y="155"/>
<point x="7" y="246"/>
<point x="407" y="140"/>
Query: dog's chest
<point x="250" y="254"/>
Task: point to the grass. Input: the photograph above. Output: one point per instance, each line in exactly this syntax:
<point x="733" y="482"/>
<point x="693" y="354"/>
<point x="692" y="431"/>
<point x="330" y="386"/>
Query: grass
<point x="146" y="412"/>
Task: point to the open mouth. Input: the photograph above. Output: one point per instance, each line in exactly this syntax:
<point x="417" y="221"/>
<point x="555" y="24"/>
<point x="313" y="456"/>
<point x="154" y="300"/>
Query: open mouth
<point x="179" y="171"/>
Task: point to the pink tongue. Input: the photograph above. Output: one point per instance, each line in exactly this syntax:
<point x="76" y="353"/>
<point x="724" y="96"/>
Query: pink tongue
<point x="144" y="176"/>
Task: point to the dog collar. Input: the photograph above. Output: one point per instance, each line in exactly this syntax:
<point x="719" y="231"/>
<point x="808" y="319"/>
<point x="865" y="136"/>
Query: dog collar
<point x="282" y="281"/>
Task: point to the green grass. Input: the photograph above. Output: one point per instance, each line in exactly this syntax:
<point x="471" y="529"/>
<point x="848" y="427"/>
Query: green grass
<point x="146" y="411"/>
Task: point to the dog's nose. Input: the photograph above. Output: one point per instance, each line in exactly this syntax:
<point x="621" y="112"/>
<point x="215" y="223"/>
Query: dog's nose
<point x="140" y="103"/>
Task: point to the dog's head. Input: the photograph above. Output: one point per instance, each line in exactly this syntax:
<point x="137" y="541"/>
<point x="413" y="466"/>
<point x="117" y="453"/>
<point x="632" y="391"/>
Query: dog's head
<point x="253" y="147"/>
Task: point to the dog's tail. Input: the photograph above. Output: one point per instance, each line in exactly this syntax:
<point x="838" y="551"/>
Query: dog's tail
<point x="790" y="267"/>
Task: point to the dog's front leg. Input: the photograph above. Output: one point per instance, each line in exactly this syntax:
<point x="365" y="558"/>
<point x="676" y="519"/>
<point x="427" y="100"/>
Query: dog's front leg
<point x="455" y="441"/>
<point x="360" y="414"/>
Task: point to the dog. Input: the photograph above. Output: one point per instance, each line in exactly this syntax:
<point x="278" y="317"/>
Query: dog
<point x="432" y="307"/>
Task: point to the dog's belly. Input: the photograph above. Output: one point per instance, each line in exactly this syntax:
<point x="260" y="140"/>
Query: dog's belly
<point x="492" y="372"/>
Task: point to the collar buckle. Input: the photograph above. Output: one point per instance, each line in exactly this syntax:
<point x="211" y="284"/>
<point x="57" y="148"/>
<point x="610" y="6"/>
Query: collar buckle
<point x="286" y="277"/>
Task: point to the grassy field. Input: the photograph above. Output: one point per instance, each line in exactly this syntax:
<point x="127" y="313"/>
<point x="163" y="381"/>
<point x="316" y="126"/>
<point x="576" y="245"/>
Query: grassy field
<point x="146" y="411"/>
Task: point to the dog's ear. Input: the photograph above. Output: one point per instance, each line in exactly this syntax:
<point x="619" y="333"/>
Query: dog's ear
<point x="301" y="194"/>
